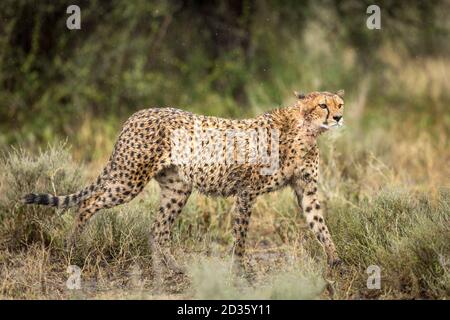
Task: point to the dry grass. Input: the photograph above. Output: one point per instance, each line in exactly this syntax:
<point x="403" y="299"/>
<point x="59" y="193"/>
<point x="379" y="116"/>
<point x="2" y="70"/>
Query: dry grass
<point x="383" y="208"/>
<point x="386" y="186"/>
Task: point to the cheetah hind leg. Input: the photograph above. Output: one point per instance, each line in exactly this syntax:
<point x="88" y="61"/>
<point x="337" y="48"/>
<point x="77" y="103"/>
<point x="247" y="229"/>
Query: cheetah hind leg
<point x="174" y="195"/>
<point x="111" y="195"/>
<point x="159" y="244"/>
<point x="86" y="210"/>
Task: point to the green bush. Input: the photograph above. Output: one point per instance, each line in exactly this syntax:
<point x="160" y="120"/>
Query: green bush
<point x="407" y="234"/>
<point x="52" y="171"/>
<point x="115" y="236"/>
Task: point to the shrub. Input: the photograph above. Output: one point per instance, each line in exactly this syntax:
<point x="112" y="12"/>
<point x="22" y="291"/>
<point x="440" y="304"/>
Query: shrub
<point x="118" y="235"/>
<point x="405" y="233"/>
<point x="52" y="171"/>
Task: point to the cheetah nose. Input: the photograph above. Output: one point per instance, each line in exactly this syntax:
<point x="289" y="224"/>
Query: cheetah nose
<point x="337" y="118"/>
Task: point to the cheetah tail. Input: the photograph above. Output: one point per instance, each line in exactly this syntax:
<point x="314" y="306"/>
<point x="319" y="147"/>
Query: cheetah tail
<point x="70" y="200"/>
<point x="63" y="202"/>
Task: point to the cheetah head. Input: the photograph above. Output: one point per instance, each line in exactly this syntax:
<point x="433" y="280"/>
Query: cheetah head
<point x="321" y="111"/>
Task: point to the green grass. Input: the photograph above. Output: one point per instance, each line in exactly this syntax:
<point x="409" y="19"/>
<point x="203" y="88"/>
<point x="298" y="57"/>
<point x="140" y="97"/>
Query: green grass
<point x="403" y="230"/>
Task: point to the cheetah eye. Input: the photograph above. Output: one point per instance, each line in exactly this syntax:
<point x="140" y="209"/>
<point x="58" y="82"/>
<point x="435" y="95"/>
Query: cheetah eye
<point x="323" y="105"/>
<point x="340" y="106"/>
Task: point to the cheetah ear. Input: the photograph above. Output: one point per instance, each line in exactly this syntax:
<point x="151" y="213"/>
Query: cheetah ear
<point x="340" y="93"/>
<point x="299" y="95"/>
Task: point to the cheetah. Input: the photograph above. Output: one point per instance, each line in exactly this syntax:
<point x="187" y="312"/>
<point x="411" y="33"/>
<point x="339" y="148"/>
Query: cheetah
<point x="241" y="158"/>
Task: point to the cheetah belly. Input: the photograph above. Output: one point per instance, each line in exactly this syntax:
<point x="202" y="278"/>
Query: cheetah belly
<point x="215" y="180"/>
<point x="220" y="180"/>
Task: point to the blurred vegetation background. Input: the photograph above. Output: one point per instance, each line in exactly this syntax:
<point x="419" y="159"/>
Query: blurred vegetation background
<point x="225" y="58"/>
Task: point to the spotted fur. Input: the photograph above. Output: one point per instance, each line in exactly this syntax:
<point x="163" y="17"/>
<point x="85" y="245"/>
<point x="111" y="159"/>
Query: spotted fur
<point x="145" y="151"/>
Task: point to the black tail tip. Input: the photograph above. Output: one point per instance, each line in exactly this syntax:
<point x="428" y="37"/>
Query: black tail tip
<point x="33" y="198"/>
<point x="29" y="198"/>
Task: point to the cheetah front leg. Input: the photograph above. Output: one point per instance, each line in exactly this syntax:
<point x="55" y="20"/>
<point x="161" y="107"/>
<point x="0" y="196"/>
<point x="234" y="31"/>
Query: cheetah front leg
<point x="307" y="199"/>
<point x="242" y="211"/>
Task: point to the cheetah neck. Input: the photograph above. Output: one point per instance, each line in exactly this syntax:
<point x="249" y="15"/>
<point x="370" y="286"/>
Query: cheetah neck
<point x="292" y="123"/>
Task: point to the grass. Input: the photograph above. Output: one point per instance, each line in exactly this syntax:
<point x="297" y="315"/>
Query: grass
<point x="387" y="204"/>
